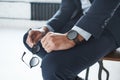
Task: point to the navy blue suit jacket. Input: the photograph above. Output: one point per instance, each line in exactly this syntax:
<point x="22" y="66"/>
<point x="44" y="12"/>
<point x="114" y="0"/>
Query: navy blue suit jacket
<point x="102" y="14"/>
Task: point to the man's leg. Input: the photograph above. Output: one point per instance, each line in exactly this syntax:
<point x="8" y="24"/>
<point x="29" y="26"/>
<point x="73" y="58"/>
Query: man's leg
<point x="67" y="64"/>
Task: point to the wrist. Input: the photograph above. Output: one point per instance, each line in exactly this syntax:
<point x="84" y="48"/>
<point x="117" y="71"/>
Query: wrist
<point x="44" y="30"/>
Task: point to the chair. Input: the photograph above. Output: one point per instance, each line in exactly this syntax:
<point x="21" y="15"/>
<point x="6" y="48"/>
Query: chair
<point x="112" y="56"/>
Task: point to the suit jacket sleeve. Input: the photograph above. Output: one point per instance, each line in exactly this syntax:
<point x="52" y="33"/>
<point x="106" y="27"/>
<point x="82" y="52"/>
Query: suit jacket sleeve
<point x="98" y="16"/>
<point x="63" y="15"/>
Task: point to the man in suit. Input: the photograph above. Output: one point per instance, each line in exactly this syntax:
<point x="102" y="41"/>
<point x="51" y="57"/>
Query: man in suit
<point x="73" y="41"/>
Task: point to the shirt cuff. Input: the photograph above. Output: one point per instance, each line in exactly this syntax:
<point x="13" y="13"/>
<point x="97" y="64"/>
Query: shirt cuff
<point x="86" y="35"/>
<point x="49" y="27"/>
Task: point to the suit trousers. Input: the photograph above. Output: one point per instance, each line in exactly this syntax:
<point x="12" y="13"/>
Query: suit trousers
<point x="67" y="64"/>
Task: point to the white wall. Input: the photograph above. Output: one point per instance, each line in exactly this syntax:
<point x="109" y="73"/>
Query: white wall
<point x="34" y="0"/>
<point x="17" y="13"/>
<point x="15" y="10"/>
<point x="20" y="9"/>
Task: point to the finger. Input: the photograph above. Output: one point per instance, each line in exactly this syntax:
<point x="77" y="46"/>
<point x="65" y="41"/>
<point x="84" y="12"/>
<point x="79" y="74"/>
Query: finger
<point x="45" y="40"/>
<point x="45" y="37"/>
<point x="36" y="39"/>
<point x="30" y="36"/>
<point x="29" y="40"/>
<point x="49" y="51"/>
<point x="48" y="48"/>
<point x="44" y="44"/>
<point x="30" y="44"/>
<point x="34" y="36"/>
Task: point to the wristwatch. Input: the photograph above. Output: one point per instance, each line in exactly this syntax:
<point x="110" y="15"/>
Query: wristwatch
<point x="73" y="35"/>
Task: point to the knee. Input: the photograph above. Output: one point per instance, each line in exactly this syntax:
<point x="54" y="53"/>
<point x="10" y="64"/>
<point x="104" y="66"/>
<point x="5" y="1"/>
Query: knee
<point x="50" y="65"/>
<point x="50" y="69"/>
<point x="53" y="69"/>
<point x="24" y="38"/>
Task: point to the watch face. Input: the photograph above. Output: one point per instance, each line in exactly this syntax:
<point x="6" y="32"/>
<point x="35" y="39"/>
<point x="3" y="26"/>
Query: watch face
<point x="72" y="35"/>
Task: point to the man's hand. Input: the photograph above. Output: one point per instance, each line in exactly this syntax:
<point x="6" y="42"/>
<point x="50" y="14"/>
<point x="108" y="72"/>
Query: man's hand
<point x="56" y="41"/>
<point x="35" y="35"/>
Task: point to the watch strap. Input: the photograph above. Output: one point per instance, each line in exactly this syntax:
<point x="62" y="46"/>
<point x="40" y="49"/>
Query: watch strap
<point x="79" y="42"/>
<point x="76" y="40"/>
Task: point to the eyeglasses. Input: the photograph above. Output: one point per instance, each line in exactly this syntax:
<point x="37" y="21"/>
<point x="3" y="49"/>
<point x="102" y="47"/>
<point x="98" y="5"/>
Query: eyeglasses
<point x="34" y="61"/>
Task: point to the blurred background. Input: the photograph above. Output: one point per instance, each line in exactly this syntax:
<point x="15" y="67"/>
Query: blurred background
<point x="16" y="17"/>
